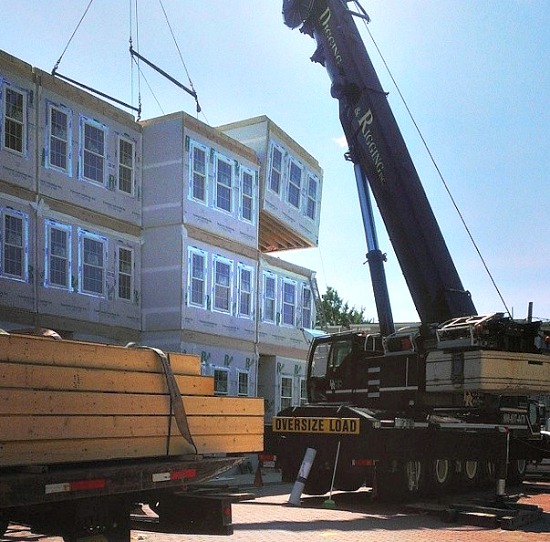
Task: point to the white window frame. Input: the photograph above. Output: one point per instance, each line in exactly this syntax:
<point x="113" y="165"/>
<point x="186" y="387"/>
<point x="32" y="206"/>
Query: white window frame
<point x="243" y="373"/>
<point x="125" y="167"/>
<point x="100" y="154"/>
<point x="120" y="273"/>
<point x="243" y="293"/>
<point x="221" y="371"/>
<point x="307" y="307"/>
<point x="64" y="139"/>
<point x="22" y="122"/>
<point x="218" y="287"/>
<point x="294" y="190"/>
<point x="221" y="185"/>
<point x="84" y="236"/>
<point x="311" y="197"/>
<point x="51" y="225"/>
<point x="266" y="317"/>
<point x="286" y="400"/>
<point x="194" y="145"/>
<point x="21" y="245"/>
<point x="192" y="278"/>
<point x="248" y="199"/>
<point x="273" y="186"/>
<point x="285" y="303"/>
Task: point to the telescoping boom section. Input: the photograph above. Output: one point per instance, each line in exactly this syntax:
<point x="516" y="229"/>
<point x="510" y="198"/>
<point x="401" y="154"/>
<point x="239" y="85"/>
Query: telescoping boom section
<point x="376" y="144"/>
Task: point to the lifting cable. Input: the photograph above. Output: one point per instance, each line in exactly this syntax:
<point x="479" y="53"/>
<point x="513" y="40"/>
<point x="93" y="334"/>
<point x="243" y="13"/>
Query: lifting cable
<point x="72" y="36"/>
<point x="440" y="174"/>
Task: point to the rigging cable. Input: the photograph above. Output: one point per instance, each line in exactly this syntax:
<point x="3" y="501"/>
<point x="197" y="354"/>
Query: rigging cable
<point x="441" y="177"/>
<point x="131" y="58"/>
<point x="72" y="36"/>
<point x="199" y="109"/>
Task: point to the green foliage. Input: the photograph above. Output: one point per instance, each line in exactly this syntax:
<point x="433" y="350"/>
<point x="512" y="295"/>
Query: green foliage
<point x="338" y="313"/>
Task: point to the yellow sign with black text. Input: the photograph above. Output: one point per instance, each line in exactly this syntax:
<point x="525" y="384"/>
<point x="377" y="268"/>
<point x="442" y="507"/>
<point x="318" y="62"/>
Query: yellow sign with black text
<point x="336" y="426"/>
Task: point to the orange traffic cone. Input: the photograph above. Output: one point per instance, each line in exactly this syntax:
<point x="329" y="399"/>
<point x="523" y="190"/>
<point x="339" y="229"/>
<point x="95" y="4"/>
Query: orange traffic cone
<point x="258" y="482"/>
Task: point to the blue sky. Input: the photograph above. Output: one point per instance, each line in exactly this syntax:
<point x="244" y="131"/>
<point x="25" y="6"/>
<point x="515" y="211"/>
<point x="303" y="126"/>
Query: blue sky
<point x="475" y="74"/>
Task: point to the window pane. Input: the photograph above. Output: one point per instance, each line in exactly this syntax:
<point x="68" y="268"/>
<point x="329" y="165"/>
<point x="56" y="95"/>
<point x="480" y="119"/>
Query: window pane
<point x="199" y="174"/>
<point x="247" y="196"/>
<point x="59" y="262"/>
<point x="94" y="152"/>
<point x="13" y="246"/>
<point x="58" y="138"/>
<point x="223" y="187"/>
<point x="125" y="273"/>
<point x="221" y="382"/>
<point x="294" y="185"/>
<point x="276" y="170"/>
<point x="92" y="269"/>
<point x="197" y="279"/>
<point x="126" y="166"/>
<point x="222" y="292"/>
<point x="14" y="120"/>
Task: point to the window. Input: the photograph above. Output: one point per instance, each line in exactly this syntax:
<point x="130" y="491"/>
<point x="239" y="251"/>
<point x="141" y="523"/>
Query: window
<point x="126" y="165"/>
<point x="14" y="245"/>
<point x="306" y="307"/>
<point x="197" y="278"/>
<point x="92" y="263"/>
<point x="245" y="291"/>
<point x="286" y="392"/>
<point x="224" y="177"/>
<point x="269" y="298"/>
<point x="276" y="169"/>
<point x="242" y="383"/>
<point x="221" y="381"/>
<point x="294" y="184"/>
<point x="125" y="273"/>
<point x="289" y="302"/>
<point x="247" y="195"/>
<point x="311" y="201"/>
<point x="198" y="170"/>
<point x="93" y="151"/>
<point x="58" y="255"/>
<point x="59" y="138"/>
<point x="15" y="115"/>
<point x="222" y="284"/>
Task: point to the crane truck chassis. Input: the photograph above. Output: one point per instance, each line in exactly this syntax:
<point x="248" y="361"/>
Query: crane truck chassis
<point x="417" y="410"/>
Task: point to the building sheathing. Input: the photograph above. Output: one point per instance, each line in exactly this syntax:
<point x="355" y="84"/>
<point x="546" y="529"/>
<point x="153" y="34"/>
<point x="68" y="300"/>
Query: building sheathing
<point x="161" y="225"/>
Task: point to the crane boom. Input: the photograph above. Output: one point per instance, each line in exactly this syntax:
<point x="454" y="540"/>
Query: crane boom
<point x="377" y="147"/>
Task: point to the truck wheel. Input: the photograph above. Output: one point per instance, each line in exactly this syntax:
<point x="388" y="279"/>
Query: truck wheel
<point x="470" y="473"/>
<point x="516" y="471"/>
<point x="441" y="475"/>
<point x="397" y="481"/>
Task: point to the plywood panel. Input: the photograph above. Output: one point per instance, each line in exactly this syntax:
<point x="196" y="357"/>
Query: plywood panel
<point x="44" y="377"/>
<point x="45" y="351"/>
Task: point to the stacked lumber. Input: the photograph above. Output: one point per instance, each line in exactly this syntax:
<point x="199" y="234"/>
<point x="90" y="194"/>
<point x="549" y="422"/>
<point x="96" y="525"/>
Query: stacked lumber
<point x="68" y="401"/>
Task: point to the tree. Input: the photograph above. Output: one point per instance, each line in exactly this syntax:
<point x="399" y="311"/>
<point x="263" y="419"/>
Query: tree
<point x="338" y="313"/>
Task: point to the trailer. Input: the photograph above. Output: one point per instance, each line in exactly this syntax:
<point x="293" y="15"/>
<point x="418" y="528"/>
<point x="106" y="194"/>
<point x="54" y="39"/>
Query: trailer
<point x="89" y="432"/>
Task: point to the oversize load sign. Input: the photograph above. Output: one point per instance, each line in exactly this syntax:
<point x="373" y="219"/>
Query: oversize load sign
<point x="338" y="426"/>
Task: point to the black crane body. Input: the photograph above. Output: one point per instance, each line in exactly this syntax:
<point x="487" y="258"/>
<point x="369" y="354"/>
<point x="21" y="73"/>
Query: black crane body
<point x="405" y="404"/>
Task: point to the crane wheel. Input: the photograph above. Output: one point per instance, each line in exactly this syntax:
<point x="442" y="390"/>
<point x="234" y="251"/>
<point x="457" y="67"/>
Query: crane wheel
<point x="441" y="475"/>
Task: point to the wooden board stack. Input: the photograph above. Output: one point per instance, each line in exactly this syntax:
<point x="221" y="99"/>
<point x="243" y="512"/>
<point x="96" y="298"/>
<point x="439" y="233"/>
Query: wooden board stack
<point x="68" y="401"/>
